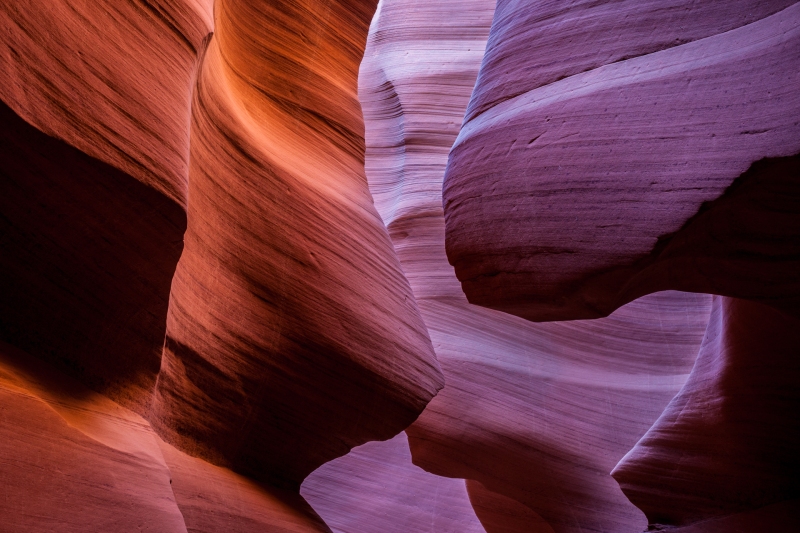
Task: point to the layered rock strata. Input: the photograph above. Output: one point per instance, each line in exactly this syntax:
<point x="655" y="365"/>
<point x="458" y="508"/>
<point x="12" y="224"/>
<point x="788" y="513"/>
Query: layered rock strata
<point x="289" y="333"/>
<point x="536" y="416"/>
<point x="288" y="302"/>
<point x="582" y="181"/>
<point x="664" y="157"/>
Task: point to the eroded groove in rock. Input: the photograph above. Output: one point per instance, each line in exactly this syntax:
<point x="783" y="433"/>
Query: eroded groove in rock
<point x="727" y="443"/>
<point x="376" y="489"/>
<point x="292" y="334"/>
<point x="556" y="199"/>
<point x="536" y="413"/>
<point x="88" y="255"/>
<point x="540" y="412"/>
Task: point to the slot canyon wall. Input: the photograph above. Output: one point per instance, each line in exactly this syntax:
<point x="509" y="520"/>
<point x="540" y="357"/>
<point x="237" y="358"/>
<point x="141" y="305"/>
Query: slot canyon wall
<point x="399" y="266"/>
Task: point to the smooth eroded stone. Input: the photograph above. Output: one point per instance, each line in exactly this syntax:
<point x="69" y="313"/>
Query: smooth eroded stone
<point x="292" y="333"/>
<point x="539" y="414"/>
<point x="727" y="443"/>
<point x="73" y="461"/>
<point x="500" y="514"/>
<point x="581" y="192"/>
<point x="216" y="500"/>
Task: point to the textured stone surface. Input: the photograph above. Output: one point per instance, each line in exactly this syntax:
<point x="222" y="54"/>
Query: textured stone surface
<point x="290" y="334"/>
<point x="214" y="499"/>
<point x="572" y="197"/>
<point x="539" y="414"/>
<point x="74" y="461"/>
<point x="288" y="301"/>
<point x="376" y="489"/>
<point x="728" y="442"/>
<point x="611" y="150"/>
<point x="113" y="79"/>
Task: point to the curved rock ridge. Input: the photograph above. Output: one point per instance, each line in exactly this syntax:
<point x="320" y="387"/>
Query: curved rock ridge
<point x="727" y="442"/>
<point x="580" y="194"/>
<point x="288" y="301"/>
<point x="537" y="42"/>
<point x="291" y="333"/>
<point x="534" y="415"/>
<point x="542" y="413"/>
<point x="376" y="489"/>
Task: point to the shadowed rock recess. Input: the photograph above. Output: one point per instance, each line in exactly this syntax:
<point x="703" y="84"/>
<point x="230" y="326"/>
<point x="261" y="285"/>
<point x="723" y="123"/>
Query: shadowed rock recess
<point x="347" y="266"/>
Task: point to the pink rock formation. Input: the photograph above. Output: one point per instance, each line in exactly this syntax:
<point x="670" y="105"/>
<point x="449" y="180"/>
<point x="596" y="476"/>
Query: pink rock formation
<point x="573" y="185"/>
<point x="538" y="414"/>
<point x="232" y="313"/>
<point x="376" y="489"/>
<point x="542" y="413"/>
<point x="728" y="441"/>
<point x="663" y="157"/>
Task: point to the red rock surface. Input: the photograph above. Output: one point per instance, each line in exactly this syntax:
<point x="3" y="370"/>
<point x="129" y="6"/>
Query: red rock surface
<point x="73" y="460"/>
<point x="291" y="334"/>
<point x="501" y="514"/>
<point x="571" y="187"/>
<point x="288" y="301"/>
<point x="214" y="499"/>
<point x="376" y="489"/>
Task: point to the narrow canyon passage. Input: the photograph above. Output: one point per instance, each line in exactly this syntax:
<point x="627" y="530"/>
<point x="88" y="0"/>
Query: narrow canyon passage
<point x="350" y="266"/>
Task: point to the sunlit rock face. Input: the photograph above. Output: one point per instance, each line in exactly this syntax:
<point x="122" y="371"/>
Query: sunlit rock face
<point x="292" y="334"/>
<point x="231" y="309"/>
<point x="605" y="149"/>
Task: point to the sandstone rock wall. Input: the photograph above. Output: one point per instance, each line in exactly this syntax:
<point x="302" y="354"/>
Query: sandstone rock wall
<point x="285" y="335"/>
<point x="580" y="184"/>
